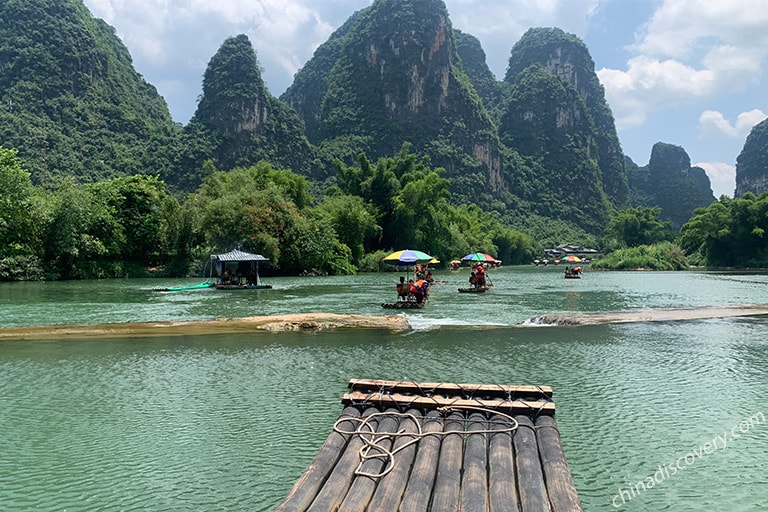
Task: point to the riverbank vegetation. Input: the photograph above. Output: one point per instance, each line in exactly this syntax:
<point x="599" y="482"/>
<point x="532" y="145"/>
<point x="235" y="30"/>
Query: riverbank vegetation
<point x="132" y="226"/>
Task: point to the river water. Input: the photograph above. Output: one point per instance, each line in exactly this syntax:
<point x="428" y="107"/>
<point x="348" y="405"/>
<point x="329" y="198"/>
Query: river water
<point x="229" y="422"/>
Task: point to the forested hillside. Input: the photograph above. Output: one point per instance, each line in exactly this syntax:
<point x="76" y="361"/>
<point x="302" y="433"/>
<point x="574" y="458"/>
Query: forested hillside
<point x="72" y="103"/>
<point x="238" y="122"/>
<point x="391" y="75"/>
<point x="670" y="183"/>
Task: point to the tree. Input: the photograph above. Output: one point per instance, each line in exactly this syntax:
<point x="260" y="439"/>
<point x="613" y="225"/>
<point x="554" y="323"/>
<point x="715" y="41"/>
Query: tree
<point x="354" y="222"/>
<point x="146" y="214"/>
<point x="637" y="226"/>
<point x="265" y="210"/>
<point x="729" y="232"/>
<point x="15" y="196"/>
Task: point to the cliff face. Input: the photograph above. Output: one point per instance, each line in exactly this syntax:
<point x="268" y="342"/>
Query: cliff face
<point x="237" y="122"/>
<point x="391" y="75"/>
<point x="669" y="182"/>
<point x="475" y="66"/>
<point x="567" y="58"/>
<point x="752" y="162"/>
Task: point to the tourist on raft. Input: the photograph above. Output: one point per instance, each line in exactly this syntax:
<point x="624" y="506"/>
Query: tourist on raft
<point x="480" y="276"/>
<point x="402" y="289"/>
<point x="419" y="289"/>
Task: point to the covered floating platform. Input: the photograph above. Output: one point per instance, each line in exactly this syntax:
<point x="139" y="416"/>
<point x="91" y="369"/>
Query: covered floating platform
<point x="438" y="446"/>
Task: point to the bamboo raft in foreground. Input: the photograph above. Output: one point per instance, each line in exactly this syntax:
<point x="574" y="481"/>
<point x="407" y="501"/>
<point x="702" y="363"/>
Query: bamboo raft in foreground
<point x="429" y="446"/>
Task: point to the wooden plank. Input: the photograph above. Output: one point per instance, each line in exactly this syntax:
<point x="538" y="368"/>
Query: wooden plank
<point x="506" y="406"/>
<point x="339" y="481"/>
<point x="533" y="490"/>
<point x="562" y="492"/>
<point x="362" y="488"/>
<point x="445" y="495"/>
<point x="502" y="482"/>
<point x="419" y="487"/>
<point x="433" y="388"/>
<point x="392" y="486"/>
<point x="474" y="480"/>
<point x="311" y="481"/>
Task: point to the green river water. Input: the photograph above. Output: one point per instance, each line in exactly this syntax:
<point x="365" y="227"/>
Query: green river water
<point x="229" y="422"/>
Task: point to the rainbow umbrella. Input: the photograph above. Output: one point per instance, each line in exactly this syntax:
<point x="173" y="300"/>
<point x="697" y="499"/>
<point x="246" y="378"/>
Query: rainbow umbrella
<point x="571" y="259"/>
<point x="406" y="258"/>
<point x="479" y="256"/>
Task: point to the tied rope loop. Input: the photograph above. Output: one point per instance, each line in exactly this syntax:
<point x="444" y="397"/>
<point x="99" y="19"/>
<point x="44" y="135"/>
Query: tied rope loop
<point x="373" y="442"/>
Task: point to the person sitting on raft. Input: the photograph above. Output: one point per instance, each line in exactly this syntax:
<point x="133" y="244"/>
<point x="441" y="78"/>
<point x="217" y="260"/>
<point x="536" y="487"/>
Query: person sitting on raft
<point x="480" y="277"/>
<point x="402" y="289"/>
<point x="419" y="289"/>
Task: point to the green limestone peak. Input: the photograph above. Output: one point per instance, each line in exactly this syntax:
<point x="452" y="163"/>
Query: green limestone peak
<point x="72" y="103"/>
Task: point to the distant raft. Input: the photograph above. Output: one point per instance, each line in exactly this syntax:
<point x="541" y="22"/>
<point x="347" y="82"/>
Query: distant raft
<point x="475" y="289"/>
<point x="404" y="304"/>
<point x="200" y="286"/>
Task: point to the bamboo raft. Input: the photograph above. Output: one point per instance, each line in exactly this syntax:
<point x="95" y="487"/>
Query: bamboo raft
<point x="404" y="304"/>
<point x="475" y="289"/>
<point x="428" y="446"/>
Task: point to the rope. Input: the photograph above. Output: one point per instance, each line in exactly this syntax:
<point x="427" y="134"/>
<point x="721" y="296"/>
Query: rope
<point x="371" y="441"/>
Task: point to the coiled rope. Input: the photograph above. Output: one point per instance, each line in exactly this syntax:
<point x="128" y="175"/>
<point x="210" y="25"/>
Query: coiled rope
<point x="373" y="442"/>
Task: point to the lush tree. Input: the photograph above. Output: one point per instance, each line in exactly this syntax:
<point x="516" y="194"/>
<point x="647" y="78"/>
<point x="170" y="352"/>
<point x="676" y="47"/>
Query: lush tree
<point x="661" y="256"/>
<point x="729" y="232"/>
<point x="265" y="210"/>
<point x="632" y="227"/>
<point x="83" y="228"/>
<point x="15" y="196"/>
<point x="146" y="215"/>
<point x="354" y="222"/>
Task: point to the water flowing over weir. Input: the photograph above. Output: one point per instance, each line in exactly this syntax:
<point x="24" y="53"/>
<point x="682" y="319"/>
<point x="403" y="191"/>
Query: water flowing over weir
<point x="648" y="315"/>
<point x="324" y="321"/>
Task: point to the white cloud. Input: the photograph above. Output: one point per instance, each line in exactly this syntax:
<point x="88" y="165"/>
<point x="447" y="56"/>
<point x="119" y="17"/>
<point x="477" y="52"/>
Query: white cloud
<point x="689" y="50"/>
<point x="650" y="84"/>
<point x="712" y="120"/>
<point x="721" y="175"/>
<point x="678" y="28"/>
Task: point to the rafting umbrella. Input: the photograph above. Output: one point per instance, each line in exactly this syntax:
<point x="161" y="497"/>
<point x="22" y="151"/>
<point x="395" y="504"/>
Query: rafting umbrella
<point x="571" y="259"/>
<point x="479" y="256"/>
<point x="406" y="258"/>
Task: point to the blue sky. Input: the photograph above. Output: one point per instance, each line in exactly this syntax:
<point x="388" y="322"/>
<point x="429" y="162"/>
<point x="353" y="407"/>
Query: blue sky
<point x="685" y="72"/>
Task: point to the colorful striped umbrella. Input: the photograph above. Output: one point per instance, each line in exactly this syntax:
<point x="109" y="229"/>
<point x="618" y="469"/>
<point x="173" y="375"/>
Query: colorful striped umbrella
<point x="479" y="256"/>
<point x="407" y="257"/>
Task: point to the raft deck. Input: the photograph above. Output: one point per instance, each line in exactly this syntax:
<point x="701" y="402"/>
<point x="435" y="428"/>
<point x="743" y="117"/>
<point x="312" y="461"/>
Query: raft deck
<point x="437" y="446"/>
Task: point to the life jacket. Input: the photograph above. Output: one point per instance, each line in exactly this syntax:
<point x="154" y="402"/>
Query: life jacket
<point x="421" y="285"/>
<point x="414" y="288"/>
